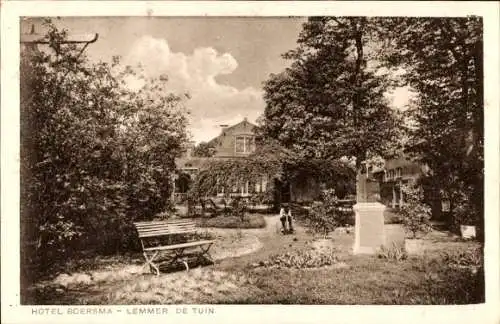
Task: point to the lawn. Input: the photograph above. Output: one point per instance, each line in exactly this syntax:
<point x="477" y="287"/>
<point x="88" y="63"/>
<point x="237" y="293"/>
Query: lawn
<point x="260" y="266"/>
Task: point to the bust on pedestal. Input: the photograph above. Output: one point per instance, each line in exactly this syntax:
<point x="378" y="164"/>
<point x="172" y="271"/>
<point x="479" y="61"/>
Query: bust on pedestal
<point x="369" y="226"/>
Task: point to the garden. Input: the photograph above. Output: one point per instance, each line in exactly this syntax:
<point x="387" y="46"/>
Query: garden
<point x="97" y="157"/>
<point x="314" y="265"/>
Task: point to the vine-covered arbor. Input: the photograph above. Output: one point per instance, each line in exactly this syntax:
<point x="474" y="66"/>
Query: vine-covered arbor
<point x="282" y="170"/>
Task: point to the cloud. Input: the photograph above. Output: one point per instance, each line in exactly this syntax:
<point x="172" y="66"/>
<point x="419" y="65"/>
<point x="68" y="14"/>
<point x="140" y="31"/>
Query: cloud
<point x="211" y="103"/>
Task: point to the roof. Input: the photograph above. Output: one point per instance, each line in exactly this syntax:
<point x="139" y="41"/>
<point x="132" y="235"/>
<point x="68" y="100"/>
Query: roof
<point x="231" y="127"/>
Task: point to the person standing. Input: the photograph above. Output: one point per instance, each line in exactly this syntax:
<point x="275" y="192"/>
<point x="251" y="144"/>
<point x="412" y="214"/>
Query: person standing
<point x="283" y="218"/>
<point x="289" y="219"/>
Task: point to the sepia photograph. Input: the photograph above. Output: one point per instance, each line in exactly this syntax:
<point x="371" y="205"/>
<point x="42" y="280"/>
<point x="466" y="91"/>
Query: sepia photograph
<point x="321" y="160"/>
<point x="197" y="161"/>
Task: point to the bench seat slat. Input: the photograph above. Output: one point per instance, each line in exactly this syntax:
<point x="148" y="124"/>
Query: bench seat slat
<point x="179" y="246"/>
<point x="164" y="224"/>
<point x="166" y="227"/>
<point x="158" y="234"/>
<point x="175" y="221"/>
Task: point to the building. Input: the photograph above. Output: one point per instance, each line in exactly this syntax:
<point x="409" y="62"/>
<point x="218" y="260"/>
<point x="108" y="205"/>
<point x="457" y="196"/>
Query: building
<point x="393" y="176"/>
<point x="233" y="142"/>
<point x="238" y="142"/>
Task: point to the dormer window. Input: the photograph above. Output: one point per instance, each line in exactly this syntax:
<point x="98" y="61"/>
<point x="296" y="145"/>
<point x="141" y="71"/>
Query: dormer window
<point x="244" y="144"/>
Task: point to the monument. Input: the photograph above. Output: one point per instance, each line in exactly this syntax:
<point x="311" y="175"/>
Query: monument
<point x="369" y="226"/>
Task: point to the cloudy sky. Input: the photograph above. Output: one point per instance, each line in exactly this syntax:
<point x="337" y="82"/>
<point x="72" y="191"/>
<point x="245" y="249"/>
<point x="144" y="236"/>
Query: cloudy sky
<point x="220" y="62"/>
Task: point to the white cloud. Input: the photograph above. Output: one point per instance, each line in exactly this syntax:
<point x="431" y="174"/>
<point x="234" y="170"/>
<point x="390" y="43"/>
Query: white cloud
<point x="211" y="103"/>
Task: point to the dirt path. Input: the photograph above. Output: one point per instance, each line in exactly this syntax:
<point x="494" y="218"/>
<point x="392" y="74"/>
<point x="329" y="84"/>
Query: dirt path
<point x="272" y="243"/>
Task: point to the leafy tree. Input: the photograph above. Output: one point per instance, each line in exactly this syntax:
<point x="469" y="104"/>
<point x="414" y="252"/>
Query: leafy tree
<point x="204" y="150"/>
<point x="95" y="155"/>
<point x="329" y="103"/>
<point x="442" y="60"/>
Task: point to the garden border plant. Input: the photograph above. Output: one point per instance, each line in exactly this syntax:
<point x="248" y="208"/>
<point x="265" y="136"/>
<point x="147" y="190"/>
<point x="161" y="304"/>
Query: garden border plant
<point x="415" y="216"/>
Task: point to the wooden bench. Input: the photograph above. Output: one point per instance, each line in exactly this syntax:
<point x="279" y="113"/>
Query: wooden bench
<point x="173" y="240"/>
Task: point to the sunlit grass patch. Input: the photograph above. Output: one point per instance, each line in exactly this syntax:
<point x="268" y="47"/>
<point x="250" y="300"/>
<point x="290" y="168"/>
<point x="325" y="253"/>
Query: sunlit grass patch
<point x="194" y="286"/>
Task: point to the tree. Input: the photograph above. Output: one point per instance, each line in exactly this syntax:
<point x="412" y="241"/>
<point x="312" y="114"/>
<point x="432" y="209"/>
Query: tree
<point x="95" y="155"/>
<point x="329" y="103"/>
<point x="204" y="150"/>
<point x="443" y="62"/>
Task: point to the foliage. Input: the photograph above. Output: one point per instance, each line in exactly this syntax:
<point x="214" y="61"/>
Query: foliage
<point x="329" y="103"/>
<point x="270" y="161"/>
<point x="239" y="207"/>
<point x="325" y="217"/>
<point x="463" y="210"/>
<point x="231" y="221"/>
<point x="442" y="61"/>
<point x="393" y="252"/>
<point x="445" y="283"/>
<point x="95" y="155"/>
<point x="415" y="214"/>
<point x="471" y="257"/>
<point x="303" y="259"/>
<point x="204" y="149"/>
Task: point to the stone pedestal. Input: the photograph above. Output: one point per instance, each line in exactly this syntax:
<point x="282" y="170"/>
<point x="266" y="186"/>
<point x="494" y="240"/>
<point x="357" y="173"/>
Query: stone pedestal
<point x="369" y="228"/>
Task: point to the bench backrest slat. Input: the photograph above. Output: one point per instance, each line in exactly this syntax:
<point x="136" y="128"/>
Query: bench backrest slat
<point x="161" y="228"/>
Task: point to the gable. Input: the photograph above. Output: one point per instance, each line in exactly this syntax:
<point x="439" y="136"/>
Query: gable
<point x="225" y="143"/>
<point x="242" y="128"/>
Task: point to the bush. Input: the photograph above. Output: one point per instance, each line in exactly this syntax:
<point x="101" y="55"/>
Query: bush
<point x="393" y="252"/>
<point x="473" y="257"/>
<point x="302" y="259"/>
<point x="415" y="214"/>
<point x="231" y="221"/>
<point x="325" y="216"/>
<point x="238" y="207"/>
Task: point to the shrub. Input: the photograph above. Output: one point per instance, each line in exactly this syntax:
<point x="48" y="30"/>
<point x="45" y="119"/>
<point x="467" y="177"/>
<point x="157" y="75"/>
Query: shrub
<point x="239" y="207"/>
<point x="393" y="252"/>
<point x="302" y="259"/>
<point x="325" y="216"/>
<point x="415" y="214"/>
<point x="231" y="221"/>
<point x="473" y="257"/>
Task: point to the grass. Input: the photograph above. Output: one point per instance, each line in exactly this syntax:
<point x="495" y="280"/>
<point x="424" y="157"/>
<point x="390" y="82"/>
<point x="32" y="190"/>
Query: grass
<point x="367" y="281"/>
<point x="281" y="272"/>
<point x="231" y="221"/>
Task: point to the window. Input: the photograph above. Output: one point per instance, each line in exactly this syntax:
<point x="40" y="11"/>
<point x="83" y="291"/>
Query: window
<point x="244" y="189"/>
<point x="390" y="175"/>
<point x="244" y="144"/>
<point x="399" y="172"/>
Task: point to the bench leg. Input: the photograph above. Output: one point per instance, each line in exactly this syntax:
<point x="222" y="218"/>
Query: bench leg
<point x="150" y="261"/>
<point x="204" y="253"/>
<point x="177" y="257"/>
<point x="185" y="264"/>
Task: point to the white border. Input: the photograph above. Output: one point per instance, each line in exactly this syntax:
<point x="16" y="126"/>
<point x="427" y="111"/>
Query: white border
<point x="10" y="13"/>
